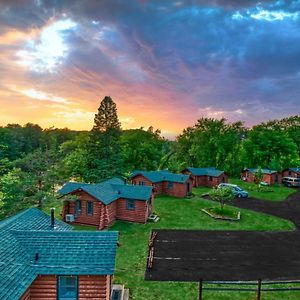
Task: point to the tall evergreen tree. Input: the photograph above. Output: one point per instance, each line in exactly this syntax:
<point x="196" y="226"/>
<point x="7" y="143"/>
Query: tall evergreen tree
<point x="107" y="118"/>
<point x="104" y="152"/>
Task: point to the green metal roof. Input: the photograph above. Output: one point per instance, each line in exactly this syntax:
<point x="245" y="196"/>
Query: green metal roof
<point x="296" y="170"/>
<point x="163" y="175"/>
<point x="264" y="171"/>
<point x="110" y="190"/>
<point x="61" y="251"/>
<point x="205" y="171"/>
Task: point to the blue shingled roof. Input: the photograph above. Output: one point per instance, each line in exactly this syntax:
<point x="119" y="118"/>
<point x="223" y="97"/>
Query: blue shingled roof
<point x="129" y="191"/>
<point x="33" y="219"/>
<point x="71" y="186"/>
<point x="110" y="190"/>
<point x="264" y="171"/>
<point x="70" y="252"/>
<point x="296" y="170"/>
<point x="205" y="171"/>
<point x="163" y="175"/>
<point x="59" y="248"/>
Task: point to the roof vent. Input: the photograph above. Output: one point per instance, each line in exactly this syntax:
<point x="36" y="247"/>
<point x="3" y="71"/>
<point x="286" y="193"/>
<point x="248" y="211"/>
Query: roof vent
<point x="52" y="210"/>
<point x="36" y="257"/>
<point x="119" y="192"/>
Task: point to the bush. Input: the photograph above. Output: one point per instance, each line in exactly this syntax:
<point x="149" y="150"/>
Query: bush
<point x="222" y="195"/>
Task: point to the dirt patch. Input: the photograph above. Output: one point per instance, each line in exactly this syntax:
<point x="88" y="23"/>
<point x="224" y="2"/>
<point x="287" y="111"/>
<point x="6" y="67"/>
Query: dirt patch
<point x="190" y="255"/>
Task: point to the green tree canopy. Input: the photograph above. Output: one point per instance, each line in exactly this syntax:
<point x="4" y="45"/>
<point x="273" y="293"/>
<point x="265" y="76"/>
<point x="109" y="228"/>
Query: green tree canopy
<point x="142" y="149"/>
<point x="269" y="147"/>
<point x="212" y="142"/>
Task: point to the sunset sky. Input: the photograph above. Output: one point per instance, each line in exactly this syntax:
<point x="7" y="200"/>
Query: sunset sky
<point x="165" y="63"/>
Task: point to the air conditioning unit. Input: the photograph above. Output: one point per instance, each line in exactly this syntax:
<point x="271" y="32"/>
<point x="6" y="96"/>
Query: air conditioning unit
<point x="70" y="218"/>
<point x="118" y="292"/>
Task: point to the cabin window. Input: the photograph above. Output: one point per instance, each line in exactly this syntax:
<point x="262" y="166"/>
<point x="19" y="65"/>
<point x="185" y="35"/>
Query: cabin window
<point x="130" y="204"/>
<point x="78" y="207"/>
<point x="90" y="208"/>
<point x="210" y="178"/>
<point x="67" y="288"/>
<point x="170" y="184"/>
<point x="290" y="173"/>
<point x="141" y="183"/>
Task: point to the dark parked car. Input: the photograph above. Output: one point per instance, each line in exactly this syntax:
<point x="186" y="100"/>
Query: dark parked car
<point x="237" y="191"/>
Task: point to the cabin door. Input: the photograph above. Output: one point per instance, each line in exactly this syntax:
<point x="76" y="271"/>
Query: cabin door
<point x="68" y="208"/>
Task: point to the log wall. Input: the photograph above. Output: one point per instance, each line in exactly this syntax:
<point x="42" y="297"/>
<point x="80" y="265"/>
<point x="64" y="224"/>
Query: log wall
<point x="139" y="214"/>
<point x="83" y="218"/>
<point x="290" y="173"/>
<point x="269" y="178"/>
<point x="44" y="287"/>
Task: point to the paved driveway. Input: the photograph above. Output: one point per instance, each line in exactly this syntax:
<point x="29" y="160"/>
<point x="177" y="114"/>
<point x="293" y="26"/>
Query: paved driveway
<point x="288" y="209"/>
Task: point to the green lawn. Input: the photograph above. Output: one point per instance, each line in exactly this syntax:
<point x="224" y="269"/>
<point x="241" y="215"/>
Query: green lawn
<point x="56" y="203"/>
<point x="180" y="214"/>
<point x="279" y="193"/>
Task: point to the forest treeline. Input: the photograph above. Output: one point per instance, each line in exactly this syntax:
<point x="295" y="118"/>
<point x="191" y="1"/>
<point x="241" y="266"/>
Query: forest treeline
<point x="35" y="161"/>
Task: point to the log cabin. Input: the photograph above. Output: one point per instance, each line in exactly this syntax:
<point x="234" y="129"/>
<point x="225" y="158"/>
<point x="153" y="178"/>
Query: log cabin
<point x="269" y="176"/>
<point x="291" y="172"/>
<point x="100" y="204"/>
<point x="44" y="259"/>
<point x="209" y="177"/>
<point x="163" y="182"/>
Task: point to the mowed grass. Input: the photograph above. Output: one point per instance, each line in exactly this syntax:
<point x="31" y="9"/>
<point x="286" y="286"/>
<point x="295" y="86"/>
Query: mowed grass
<point x="181" y="214"/>
<point x="280" y="192"/>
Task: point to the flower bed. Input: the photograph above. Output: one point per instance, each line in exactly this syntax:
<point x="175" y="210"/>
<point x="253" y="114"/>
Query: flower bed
<point x="222" y="214"/>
